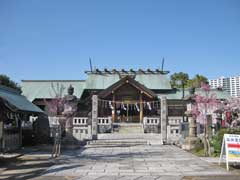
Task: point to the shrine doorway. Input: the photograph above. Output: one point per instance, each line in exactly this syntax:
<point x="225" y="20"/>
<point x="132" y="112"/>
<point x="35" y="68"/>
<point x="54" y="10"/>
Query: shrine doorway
<point x="127" y="98"/>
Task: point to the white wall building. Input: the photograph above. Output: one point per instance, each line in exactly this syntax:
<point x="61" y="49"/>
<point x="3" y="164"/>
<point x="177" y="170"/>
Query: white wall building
<point x="231" y="85"/>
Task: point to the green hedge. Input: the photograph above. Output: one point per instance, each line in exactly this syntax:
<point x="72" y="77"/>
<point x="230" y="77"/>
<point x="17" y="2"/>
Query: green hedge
<point x="216" y="141"/>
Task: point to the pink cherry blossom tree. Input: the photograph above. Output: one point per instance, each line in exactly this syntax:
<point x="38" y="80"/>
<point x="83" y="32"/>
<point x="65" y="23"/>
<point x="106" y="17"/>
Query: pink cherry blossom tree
<point x="55" y="105"/>
<point x="205" y="103"/>
<point x="233" y="106"/>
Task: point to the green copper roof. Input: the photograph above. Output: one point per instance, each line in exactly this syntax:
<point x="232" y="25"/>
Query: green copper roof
<point x="45" y="89"/>
<point x="98" y="81"/>
<point x="154" y="81"/>
<point x="177" y="94"/>
<point x="18" y="101"/>
<point x="220" y="94"/>
<point x="151" y="81"/>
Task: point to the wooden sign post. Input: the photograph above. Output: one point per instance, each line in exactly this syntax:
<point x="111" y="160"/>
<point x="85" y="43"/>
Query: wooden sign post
<point x="231" y="147"/>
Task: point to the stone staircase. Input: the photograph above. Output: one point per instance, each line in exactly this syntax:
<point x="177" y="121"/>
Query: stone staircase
<point x="128" y="128"/>
<point x="125" y="140"/>
<point x="126" y="135"/>
<point x="116" y="142"/>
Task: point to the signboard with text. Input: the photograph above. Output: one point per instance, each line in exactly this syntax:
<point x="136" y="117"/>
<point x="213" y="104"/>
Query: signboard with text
<point x="231" y="148"/>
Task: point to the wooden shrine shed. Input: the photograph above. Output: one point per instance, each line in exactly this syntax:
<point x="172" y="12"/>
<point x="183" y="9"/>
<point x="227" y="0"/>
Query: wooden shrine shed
<point x="15" y="111"/>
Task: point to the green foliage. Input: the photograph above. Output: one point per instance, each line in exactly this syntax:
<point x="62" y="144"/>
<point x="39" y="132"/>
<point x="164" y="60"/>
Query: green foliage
<point x="199" y="148"/>
<point x="184" y="77"/>
<point x="198" y="80"/>
<point x="6" y="81"/>
<point x="216" y="141"/>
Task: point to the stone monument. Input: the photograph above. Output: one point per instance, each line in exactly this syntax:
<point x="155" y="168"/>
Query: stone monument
<point x="94" y="116"/>
<point x="69" y="111"/>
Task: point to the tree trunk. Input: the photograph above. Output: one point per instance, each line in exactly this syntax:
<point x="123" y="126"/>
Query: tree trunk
<point x="206" y="142"/>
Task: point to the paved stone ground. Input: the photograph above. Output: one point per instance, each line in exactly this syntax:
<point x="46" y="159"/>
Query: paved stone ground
<point x="25" y="167"/>
<point x="128" y="163"/>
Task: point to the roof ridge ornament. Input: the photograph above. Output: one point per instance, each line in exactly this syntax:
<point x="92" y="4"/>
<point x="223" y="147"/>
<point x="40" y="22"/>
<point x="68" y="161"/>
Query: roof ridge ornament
<point x="125" y="72"/>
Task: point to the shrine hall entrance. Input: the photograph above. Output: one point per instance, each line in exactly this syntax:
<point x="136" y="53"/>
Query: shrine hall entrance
<point x="128" y="112"/>
<point x="126" y="99"/>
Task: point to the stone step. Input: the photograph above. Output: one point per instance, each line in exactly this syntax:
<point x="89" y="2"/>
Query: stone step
<point x="125" y="138"/>
<point x="120" y="142"/>
<point x="128" y="128"/>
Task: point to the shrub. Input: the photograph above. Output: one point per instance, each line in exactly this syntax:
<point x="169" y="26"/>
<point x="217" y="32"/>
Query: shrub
<point x="216" y="141"/>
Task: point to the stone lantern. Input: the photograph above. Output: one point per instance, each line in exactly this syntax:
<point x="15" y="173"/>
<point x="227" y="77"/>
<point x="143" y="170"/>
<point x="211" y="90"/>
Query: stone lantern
<point x="190" y="141"/>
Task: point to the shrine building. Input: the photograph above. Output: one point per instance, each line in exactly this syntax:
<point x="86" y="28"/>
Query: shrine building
<point x="125" y="97"/>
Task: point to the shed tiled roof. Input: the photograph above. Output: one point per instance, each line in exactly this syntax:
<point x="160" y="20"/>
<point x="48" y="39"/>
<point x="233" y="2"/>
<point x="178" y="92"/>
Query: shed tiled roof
<point x="16" y="100"/>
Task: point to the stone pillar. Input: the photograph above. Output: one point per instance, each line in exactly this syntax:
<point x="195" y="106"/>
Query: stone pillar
<point x="164" y="119"/>
<point x="94" y="116"/>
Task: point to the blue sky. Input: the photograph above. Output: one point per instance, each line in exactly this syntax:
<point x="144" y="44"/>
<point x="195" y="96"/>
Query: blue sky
<point x="43" y="39"/>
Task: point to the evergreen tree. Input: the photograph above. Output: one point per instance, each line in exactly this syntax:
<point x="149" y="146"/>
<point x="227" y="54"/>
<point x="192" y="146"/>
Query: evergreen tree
<point x="6" y="81"/>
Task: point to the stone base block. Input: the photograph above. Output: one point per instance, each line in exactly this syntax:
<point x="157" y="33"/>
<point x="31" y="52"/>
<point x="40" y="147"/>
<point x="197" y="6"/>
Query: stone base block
<point x="190" y="143"/>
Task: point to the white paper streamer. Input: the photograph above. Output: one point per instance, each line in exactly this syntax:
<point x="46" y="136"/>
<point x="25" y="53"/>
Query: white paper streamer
<point x="149" y="106"/>
<point x="136" y="105"/>
<point x="123" y="106"/>
<point x="110" y="104"/>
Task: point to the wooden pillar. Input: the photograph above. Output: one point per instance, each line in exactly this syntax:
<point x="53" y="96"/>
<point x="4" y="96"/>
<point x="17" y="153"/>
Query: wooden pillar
<point x="114" y="107"/>
<point x="141" y="108"/>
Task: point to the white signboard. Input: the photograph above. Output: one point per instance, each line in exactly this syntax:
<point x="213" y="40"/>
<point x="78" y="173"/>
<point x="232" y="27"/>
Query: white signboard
<point x="231" y="147"/>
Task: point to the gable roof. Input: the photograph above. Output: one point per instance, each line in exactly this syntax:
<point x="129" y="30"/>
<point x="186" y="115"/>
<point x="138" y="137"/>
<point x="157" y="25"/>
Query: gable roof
<point x="123" y="81"/>
<point x="151" y="81"/>
<point x="15" y="100"/>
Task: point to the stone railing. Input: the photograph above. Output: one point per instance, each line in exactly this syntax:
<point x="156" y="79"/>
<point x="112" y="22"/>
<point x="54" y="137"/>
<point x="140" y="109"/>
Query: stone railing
<point x="81" y="128"/>
<point x="53" y="120"/>
<point x="104" y="120"/>
<point x="104" y="124"/>
<point x="151" y="121"/>
<point x="80" y="121"/>
<point x="82" y="132"/>
<point x="175" y="120"/>
<point x="174" y="128"/>
<point x="151" y="124"/>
